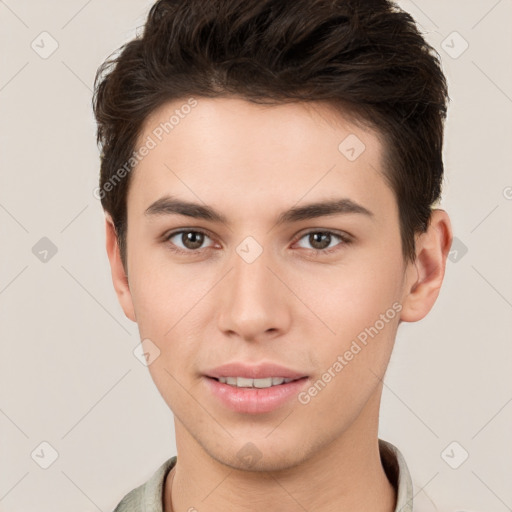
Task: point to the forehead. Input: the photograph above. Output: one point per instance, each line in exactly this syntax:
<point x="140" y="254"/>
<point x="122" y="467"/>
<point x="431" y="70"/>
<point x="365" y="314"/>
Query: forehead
<point x="287" y="125"/>
<point x="215" y="148"/>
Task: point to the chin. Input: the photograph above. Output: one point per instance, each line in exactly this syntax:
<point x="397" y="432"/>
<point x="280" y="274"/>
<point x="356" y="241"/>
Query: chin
<point x="259" y="455"/>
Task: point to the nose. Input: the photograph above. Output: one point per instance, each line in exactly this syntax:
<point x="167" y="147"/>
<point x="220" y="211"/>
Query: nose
<point x="254" y="304"/>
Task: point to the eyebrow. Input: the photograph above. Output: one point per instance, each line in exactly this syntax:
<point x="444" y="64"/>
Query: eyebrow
<point x="168" y="205"/>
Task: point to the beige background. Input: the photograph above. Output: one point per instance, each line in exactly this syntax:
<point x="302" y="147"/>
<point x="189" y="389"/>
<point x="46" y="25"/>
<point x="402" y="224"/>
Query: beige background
<point x="68" y="375"/>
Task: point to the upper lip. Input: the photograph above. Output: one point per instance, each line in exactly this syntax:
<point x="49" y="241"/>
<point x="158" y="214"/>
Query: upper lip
<point x="253" y="371"/>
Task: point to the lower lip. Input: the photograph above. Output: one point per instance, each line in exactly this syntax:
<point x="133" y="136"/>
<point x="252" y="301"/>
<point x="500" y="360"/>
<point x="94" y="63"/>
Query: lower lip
<point x="255" y="400"/>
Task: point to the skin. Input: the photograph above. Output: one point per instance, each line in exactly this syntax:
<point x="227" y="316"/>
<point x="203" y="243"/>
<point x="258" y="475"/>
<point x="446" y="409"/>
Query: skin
<point x="293" y="305"/>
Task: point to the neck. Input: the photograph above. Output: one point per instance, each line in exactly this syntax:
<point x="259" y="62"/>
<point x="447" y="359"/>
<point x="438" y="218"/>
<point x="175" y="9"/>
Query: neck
<point x="346" y="474"/>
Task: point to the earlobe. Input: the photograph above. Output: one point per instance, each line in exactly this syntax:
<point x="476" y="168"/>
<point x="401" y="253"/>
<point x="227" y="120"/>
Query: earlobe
<point x="424" y="276"/>
<point x="119" y="277"/>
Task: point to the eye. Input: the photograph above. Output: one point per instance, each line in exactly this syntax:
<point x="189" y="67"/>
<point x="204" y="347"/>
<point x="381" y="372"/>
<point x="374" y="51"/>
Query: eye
<point x="322" y="241"/>
<point x="190" y="240"/>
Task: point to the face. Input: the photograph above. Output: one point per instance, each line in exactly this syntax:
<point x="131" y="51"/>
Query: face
<point x="250" y="273"/>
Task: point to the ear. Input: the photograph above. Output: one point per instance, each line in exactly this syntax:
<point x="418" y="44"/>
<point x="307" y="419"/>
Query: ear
<point x="425" y="276"/>
<point x="119" y="277"/>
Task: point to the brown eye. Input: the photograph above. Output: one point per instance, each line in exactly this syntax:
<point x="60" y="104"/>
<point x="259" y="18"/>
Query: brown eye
<point x="186" y="241"/>
<point x="192" y="239"/>
<point x="323" y="241"/>
<point x="320" y="240"/>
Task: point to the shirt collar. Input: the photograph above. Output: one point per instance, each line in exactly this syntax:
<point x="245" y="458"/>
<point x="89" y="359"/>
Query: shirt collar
<point x="149" y="496"/>
<point x="398" y="474"/>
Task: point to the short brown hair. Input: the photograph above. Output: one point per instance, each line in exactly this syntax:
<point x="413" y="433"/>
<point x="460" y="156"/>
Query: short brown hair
<point x="365" y="57"/>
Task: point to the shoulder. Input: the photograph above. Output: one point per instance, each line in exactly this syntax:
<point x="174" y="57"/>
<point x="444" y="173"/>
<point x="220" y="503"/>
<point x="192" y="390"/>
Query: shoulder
<point x="148" y="496"/>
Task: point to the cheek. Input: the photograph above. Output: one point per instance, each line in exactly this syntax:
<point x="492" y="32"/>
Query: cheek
<point x="161" y="294"/>
<point x="363" y="311"/>
<point x="356" y="299"/>
<point x="360" y="303"/>
<point x="169" y="303"/>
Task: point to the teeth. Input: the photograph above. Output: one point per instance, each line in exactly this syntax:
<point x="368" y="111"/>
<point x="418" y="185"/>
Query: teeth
<point x="242" y="382"/>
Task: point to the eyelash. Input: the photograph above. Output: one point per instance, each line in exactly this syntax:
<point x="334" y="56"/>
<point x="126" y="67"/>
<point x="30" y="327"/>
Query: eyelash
<point x="344" y="240"/>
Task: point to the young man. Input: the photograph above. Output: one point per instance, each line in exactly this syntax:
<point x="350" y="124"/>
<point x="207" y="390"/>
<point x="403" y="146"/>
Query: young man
<point x="269" y="170"/>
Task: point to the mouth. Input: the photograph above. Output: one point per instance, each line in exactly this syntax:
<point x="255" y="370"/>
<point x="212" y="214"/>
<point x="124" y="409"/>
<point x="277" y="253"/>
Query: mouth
<point x="263" y="383"/>
<point x="243" y="374"/>
<point x="254" y="389"/>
